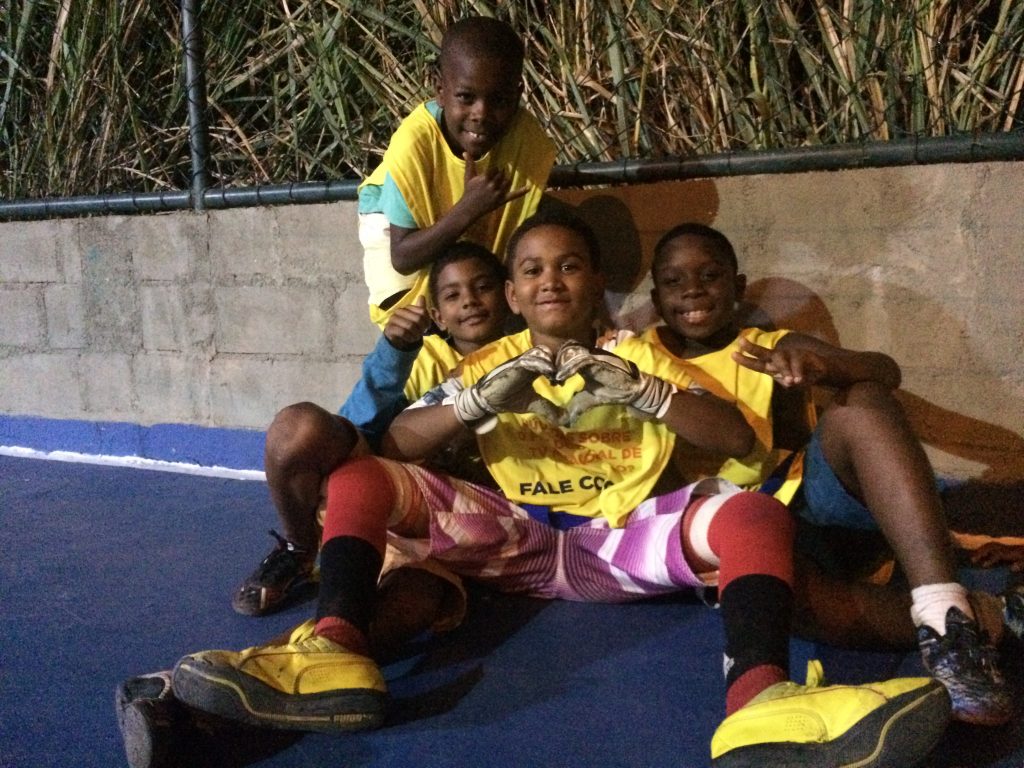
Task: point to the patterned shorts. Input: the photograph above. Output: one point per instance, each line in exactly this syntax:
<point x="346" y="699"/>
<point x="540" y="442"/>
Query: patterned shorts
<point x="476" y="532"/>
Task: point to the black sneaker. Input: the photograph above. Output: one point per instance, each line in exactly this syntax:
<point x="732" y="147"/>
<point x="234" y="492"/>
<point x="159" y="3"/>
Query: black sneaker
<point x="282" y="573"/>
<point x="1013" y="611"/>
<point x="151" y="721"/>
<point x="965" y="662"/>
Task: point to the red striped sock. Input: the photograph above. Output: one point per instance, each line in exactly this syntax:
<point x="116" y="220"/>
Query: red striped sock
<point x="752" y="536"/>
<point x="344" y="634"/>
<point x="752" y="533"/>
<point x="360" y="498"/>
<point x="750" y="683"/>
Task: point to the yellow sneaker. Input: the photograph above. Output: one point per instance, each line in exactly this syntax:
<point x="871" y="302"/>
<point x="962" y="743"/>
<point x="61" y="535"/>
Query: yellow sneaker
<point x="892" y="723"/>
<point x="308" y="683"/>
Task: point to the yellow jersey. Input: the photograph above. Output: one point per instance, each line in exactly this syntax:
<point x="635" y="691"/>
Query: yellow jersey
<point x="604" y="465"/>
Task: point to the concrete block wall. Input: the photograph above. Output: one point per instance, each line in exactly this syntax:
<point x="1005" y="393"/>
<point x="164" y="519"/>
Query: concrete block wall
<point x="175" y="329"/>
<point x="210" y="320"/>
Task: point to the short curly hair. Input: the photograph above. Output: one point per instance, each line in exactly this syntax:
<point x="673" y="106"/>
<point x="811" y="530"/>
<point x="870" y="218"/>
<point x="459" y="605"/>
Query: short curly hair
<point x="463" y="250"/>
<point x="482" y="36"/>
<point x="718" y="244"/>
<point x="556" y="217"/>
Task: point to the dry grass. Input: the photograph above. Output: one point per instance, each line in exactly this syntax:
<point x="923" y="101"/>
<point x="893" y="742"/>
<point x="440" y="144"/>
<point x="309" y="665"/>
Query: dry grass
<point x="91" y="98"/>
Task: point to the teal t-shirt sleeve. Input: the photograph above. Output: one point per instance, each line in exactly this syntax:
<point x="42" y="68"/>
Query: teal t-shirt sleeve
<point x="379" y="395"/>
<point x="387" y="199"/>
<point x="369" y="199"/>
<point x="392" y="204"/>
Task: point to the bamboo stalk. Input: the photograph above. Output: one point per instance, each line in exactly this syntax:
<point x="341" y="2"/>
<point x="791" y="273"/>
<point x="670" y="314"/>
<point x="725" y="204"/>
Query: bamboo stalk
<point x="91" y="101"/>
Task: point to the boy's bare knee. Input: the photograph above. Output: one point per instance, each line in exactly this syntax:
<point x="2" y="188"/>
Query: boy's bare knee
<point x="858" y="406"/>
<point x="295" y="428"/>
<point x="869" y="395"/>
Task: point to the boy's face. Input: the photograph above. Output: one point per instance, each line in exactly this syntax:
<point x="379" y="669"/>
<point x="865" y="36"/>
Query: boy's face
<point x="470" y="304"/>
<point x="554" y="286"/>
<point x="694" y="292"/>
<point x="479" y="97"/>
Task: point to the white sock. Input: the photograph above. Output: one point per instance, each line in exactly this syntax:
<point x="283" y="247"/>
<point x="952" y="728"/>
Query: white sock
<point x="932" y="601"/>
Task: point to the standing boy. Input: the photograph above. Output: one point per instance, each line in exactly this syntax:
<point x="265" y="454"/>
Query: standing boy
<point x="471" y="163"/>
<point x="861" y="469"/>
<point x="579" y="442"/>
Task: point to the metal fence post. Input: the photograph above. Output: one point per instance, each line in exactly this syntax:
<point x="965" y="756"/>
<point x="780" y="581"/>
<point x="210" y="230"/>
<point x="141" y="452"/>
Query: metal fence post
<point x="195" y="93"/>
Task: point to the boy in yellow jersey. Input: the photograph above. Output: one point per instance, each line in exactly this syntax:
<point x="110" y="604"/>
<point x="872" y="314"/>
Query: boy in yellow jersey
<point x="306" y="442"/>
<point x="861" y="469"/>
<point x="471" y="163"/>
<point x="579" y="443"/>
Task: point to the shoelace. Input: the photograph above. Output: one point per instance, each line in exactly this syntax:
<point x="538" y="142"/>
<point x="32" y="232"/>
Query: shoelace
<point x="285" y="554"/>
<point x="283" y="543"/>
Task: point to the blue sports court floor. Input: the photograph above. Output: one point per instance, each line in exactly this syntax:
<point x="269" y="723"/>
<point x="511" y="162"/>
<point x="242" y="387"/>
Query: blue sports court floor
<point x="109" y="572"/>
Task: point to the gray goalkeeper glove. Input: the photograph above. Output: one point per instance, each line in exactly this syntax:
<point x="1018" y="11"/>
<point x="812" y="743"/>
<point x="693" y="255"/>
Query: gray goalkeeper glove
<point x="611" y="380"/>
<point x="508" y="389"/>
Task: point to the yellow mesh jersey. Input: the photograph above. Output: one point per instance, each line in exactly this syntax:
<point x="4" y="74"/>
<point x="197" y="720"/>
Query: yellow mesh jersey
<point x="432" y="179"/>
<point x="605" y="465"/>
<point x="718" y="373"/>
<point x="434" y="363"/>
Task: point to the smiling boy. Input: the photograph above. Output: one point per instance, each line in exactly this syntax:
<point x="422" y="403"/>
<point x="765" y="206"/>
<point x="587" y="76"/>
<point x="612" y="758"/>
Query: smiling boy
<point x="861" y="469"/>
<point x="471" y="163"/>
<point x="305" y="441"/>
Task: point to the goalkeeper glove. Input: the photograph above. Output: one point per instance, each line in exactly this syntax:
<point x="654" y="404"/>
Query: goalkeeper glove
<point x="508" y="389"/>
<point x="611" y="380"/>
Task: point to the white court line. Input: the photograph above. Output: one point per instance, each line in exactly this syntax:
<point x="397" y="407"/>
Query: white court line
<point x="134" y="462"/>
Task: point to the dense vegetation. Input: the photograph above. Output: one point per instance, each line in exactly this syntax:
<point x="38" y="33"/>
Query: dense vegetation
<point x="92" y="97"/>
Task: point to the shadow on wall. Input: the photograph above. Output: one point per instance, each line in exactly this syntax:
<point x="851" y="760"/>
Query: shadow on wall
<point x="628" y="222"/>
<point x="777" y="302"/>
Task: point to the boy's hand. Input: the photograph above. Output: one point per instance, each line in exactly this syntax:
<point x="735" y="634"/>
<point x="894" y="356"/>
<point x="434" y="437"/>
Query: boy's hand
<point x="996" y="553"/>
<point x="484" y="193"/>
<point x="407" y="325"/>
<point x="610" y="380"/>
<point x="788" y="366"/>
<point x="508" y="389"/>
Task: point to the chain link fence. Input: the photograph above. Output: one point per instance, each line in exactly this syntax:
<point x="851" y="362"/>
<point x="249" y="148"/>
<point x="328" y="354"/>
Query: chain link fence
<point x="93" y="97"/>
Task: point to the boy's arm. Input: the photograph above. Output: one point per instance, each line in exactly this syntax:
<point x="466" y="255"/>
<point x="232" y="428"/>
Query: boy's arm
<point x="413" y="249"/>
<point x="801" y="360"/>
<point x="421" y="431"/>
<point x="445" y="412"/>
<point x="379" y="395"/>
<point x="995" y="553"/>
<point x="709" y="423"/>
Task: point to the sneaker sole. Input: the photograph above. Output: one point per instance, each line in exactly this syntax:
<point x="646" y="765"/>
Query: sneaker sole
<point x="239" y="697"/>
<point x="899" y="734"/>
<point x="994" y="711"/>
<point x="147" y="729"/>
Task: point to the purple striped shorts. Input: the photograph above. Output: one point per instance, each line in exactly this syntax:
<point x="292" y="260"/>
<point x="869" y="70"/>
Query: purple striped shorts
<point x="476" y="532"/>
